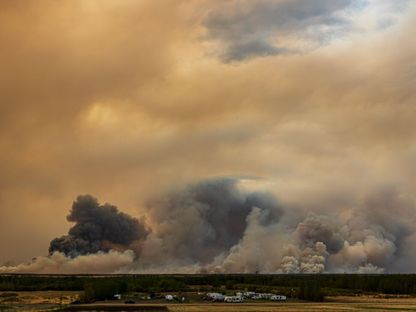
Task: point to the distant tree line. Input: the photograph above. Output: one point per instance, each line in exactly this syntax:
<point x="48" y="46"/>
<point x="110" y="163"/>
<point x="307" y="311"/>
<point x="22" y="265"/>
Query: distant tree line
<point x="306" y="286"/>
<point x="310" y="291"/>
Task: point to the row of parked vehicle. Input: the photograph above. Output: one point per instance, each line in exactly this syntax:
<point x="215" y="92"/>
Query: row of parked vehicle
<point x="240" y="296"/>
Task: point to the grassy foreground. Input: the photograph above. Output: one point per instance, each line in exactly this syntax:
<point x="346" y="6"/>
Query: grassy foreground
<point x="340" y="304"/>
<point x="58" y="300"/>
<point x="404" y="305"/>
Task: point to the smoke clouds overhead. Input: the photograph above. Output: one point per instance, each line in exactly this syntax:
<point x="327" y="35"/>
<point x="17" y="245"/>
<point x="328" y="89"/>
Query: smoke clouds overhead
<point x="316" y="99"/>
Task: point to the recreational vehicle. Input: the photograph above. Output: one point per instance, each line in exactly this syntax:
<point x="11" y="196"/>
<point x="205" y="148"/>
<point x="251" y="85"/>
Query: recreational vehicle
<point x="233" y="299"/>
<point x="215" y="296"/>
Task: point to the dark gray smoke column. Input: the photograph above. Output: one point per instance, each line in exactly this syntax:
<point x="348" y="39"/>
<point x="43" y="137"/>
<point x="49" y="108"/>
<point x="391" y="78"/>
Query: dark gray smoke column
<point x="206" y="219"/>
<point x="98" y="228"/>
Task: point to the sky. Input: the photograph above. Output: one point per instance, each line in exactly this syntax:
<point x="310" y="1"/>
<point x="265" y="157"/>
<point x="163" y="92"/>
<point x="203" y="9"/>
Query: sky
<point x="311" y="102"/>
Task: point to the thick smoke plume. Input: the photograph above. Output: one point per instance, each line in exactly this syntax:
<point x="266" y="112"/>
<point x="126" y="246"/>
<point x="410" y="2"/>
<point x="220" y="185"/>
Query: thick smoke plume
<point x="220" y="226"/>
<point x="98" y="228"/>
<point x="216" y="226"/>
<point x="368" y="239"/>
<point x="203" y="221"/>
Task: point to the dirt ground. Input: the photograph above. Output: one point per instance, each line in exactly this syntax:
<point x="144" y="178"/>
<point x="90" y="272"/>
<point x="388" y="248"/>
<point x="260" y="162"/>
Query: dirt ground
<point x="52" y="300"/>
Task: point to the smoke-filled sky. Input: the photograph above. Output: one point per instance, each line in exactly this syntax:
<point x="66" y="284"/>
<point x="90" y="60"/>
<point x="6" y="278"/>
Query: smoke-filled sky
<point x="208" y="133"/>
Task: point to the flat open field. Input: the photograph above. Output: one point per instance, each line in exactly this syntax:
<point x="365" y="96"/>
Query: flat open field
<point x="289" y="307"/>
<point x="53" y="300"/>
<point x="362" y="305"/>
<point x="35" y="300"/>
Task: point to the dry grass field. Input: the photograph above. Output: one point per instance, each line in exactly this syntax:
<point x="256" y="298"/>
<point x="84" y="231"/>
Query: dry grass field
<point x="364" y="305"/>
<point x="350" y="306"/>
<point x="38" y="297"/>
<point x="35" y="300"/>
<point x="51" y="300"/>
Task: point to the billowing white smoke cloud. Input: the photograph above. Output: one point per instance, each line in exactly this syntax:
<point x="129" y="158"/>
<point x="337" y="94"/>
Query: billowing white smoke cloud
<point x="58" y="263"/>
<point x="218" y="226"/>
<point x="367" y="239"/>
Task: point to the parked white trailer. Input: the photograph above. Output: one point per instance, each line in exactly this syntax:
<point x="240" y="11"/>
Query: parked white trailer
<point x="265" y="295"/>
<point x="249" y="294"/>
<point x="278" y="298"/>
<point x="233" y="299"/>
<point x="215" y="296"/>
